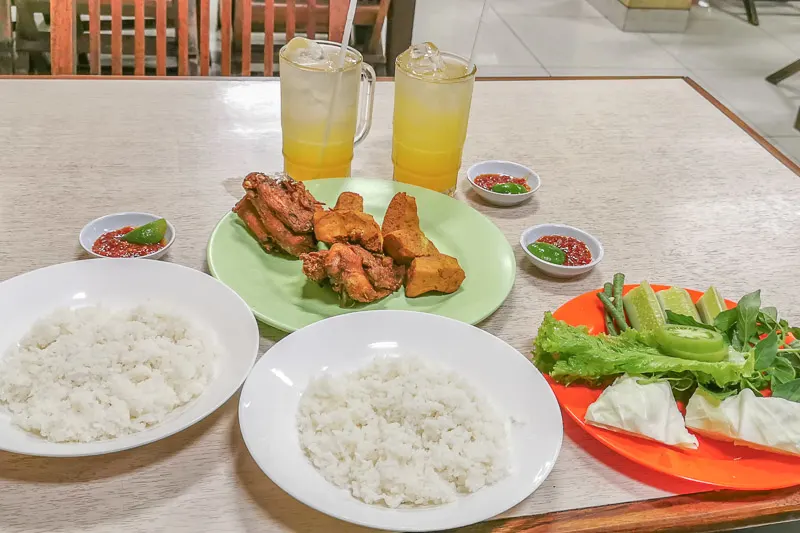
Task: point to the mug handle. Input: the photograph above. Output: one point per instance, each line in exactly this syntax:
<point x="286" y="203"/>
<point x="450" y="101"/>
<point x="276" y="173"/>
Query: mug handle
<point x="365" y="113"/>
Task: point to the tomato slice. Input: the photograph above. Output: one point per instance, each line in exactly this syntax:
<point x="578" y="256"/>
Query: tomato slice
<point x="689" y="342"/>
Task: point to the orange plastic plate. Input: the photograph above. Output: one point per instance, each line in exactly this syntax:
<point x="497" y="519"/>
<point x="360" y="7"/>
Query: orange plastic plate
<point x="717" y="463"/>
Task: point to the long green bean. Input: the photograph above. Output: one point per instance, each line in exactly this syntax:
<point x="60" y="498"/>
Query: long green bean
<point x="610" y="327"/>
<point x="613" y="311"/>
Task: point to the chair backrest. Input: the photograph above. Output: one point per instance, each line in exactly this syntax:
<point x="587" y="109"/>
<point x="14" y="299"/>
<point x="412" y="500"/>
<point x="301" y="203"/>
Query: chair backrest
<point x="285" y="15"/>
<point x="193" y="22"/>
<point x="64" y="25"/>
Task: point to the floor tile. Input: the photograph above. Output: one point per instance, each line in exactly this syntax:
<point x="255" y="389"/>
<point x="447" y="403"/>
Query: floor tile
<point x="770" y="109"/>
<point x="617" y="71"/>
<point x="545" y="8"/>
<point x="788" y="145"/>
<point x="496" y="44"/>
<point x="587" y="42"/>
<point x="719" y="41"/>
<point x="785" y="29"/>
<point x="510" y="71"/>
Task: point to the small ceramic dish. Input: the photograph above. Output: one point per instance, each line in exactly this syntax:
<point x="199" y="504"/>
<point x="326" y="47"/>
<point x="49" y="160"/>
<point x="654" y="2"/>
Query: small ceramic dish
<point x="94" y="229"/>
<point x="532" y="234"/>
<point x="508" y="168"/>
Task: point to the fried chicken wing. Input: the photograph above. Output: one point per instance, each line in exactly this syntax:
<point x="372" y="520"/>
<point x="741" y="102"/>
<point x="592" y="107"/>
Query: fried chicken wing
<point x="279" y="213"/>
<point x="354" y="273"/>
<point x="434" y="273"/>
<point x="288" y="200"/>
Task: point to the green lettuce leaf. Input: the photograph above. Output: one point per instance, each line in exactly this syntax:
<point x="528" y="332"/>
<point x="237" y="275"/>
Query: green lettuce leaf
<point x="571" y="354"/>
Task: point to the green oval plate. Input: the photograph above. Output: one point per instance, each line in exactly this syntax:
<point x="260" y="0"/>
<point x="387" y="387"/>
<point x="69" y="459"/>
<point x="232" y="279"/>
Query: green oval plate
<point x="280" y="295"/>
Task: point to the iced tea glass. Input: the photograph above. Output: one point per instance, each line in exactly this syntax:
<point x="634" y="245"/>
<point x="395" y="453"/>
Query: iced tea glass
<point x="320" y="117"/>
<point x="432" y="97"/>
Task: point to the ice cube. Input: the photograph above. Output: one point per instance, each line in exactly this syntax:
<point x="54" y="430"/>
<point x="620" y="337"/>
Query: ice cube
<point x="306" y="52"/>
<point x="425" y="60"/>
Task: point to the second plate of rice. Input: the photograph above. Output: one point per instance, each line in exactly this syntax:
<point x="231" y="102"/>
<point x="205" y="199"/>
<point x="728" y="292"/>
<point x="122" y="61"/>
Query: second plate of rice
<point x="401" y="421"/>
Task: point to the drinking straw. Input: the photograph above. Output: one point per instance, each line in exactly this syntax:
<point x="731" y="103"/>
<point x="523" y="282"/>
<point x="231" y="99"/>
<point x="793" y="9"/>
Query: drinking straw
<point x="348" y="29"/>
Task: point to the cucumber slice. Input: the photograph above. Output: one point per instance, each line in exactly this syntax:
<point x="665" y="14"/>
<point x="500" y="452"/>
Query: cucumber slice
<point x="678" y="301"/>
<point x="643" y="309"/>
<point x="710" y="305"/>
<point x="689" y="342"/>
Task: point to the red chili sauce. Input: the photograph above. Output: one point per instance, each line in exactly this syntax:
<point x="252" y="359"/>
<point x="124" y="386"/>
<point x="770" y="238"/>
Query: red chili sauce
<point x="487" y="181"/>
<point x="577" y="253"/>
<point x="111" y="245"/>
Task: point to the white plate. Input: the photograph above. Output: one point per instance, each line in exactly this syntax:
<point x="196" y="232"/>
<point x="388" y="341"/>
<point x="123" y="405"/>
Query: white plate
<point x="269" y="400"/>
<point x="123" y="283"/>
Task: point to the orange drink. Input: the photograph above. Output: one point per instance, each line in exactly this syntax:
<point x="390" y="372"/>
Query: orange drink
<point x="432" y="97"/>
<point x="320" y="108"/>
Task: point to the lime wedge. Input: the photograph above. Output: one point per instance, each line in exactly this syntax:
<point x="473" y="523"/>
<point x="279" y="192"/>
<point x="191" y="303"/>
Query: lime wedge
<point x="151" y="233"/>
<point x="678" y="301"/>
<point x="710" y="305"/>
<point x="643" y="309"/>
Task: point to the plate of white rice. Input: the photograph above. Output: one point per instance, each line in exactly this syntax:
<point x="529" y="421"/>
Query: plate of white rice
<point x="104" y="355"/>
<point x="401" y="421"/>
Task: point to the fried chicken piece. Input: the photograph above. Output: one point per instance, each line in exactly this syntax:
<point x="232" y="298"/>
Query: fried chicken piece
<point x="401" y="214"/>
<point x="288" y="200"/>
<point x="314" y="265"/>
<point x="440" y="273"/>
<point x="292" y="243"/>
<point x="404" y="245"/>
<point x="244" y="208"/>
<point x="350" y="201"/>
<point x="382" y="272"/>
<point x="354" y="273"/>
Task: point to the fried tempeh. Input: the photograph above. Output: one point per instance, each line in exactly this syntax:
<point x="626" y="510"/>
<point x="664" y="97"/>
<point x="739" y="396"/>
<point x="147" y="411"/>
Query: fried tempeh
<point x="349" y="201"/>
<point x="404" y="245"/>
<point x="434" y="273"/>
<point x="401" y="214"/>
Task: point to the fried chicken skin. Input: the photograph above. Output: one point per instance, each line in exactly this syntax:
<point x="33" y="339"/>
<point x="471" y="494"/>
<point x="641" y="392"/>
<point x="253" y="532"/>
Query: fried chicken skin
<point x="354" y="273"/>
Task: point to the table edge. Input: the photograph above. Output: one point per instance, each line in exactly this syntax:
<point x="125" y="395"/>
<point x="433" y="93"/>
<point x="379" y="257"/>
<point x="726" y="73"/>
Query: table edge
<point x="707" y="511"/>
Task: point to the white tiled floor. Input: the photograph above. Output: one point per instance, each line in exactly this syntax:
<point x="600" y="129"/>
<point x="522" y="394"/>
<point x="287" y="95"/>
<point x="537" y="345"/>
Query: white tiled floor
<point x="720" y="50"/>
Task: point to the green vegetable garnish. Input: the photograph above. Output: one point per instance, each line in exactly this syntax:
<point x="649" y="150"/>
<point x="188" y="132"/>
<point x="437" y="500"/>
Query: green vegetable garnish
<point x="643" y="309"/>
<point x="570" y="354"/>
<point x="710" y="305"/>
<point x="688" y="342"/>
<point x="150" y="233"/>
<point x="509" y="188"/>
<point x="548" y="252"/>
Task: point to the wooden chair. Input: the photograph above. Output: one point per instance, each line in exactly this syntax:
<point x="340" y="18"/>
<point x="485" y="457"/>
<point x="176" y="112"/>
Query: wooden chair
<point x="313" y="16"/>
<point x="68" y="38"/>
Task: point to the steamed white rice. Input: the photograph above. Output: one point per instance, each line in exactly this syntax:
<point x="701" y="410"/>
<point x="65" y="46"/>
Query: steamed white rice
<point x="94" y="373"/>
<point x="403" y="431"/>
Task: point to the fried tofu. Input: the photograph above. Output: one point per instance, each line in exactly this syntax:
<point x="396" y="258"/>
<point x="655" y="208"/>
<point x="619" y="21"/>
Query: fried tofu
<point x="404" y="245"/>
<point x="401" y="214"/>
<point x="350" y="227"/>
<point x="433" y="273"/>
<point x="349" y="201"/>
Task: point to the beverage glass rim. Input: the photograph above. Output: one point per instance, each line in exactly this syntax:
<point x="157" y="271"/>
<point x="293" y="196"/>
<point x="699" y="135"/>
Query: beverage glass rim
<point x="463" y="59"/>
<point x="345" y="68"/>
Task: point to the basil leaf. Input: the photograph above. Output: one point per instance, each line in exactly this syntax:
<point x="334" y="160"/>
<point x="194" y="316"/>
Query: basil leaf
<point x="782" y="371"/>
<point x="746" y="313"/>
<point x="726" y="320"/>
<point x="788" y="391"/>
<point x="685" y="320"/>
<point x="770" y="313"/>
<point x="754" y="383"/>
<point x="766" y="351"/>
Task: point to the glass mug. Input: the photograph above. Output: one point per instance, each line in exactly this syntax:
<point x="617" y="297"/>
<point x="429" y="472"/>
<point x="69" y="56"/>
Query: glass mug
<point x="320" y="116"/>
<point x="432" y="98"/>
